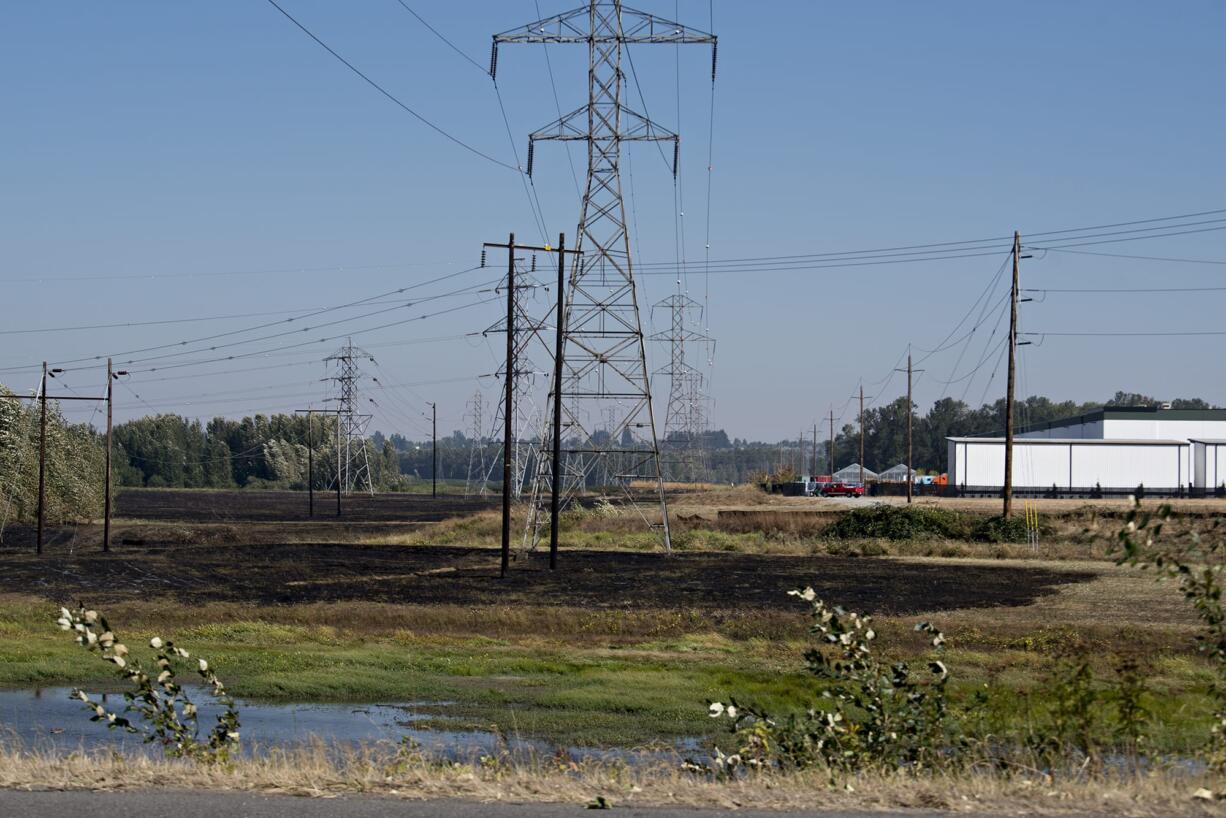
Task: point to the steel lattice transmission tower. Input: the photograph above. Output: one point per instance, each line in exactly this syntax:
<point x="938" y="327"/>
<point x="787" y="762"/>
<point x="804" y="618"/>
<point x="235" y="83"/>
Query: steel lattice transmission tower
<point x="353" y="467"/>
<point x="475" y="478"/>
<point x="685" y="418"/>
<point x="531" y="338"/>
<point x="603" y="353"/>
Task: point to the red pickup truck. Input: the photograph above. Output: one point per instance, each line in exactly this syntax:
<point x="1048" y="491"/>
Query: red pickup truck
<point x="842" y="490"/>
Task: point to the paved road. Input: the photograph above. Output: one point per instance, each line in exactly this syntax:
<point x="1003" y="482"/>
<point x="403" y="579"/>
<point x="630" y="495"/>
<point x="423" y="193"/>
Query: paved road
<point x="199" y="804"/>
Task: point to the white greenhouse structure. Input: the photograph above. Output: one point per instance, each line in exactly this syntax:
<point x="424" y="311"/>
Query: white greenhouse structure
<point x="1165" y="450"/>
<point x="852" y="474"/>
<point x="896" y="474"/>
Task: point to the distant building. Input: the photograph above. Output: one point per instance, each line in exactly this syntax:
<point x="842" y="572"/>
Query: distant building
<point x="896" y="474"/>
<point x="851" y="474"/>
<point x="1166" y="450"/>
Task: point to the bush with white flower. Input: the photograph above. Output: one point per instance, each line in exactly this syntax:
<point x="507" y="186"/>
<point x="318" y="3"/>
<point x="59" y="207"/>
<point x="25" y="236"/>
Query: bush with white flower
<point x="167" y="716"/>
<point x="866" y="713"/>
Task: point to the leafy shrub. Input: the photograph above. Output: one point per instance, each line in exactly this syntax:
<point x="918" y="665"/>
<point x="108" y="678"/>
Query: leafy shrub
<point x="868" y="713"/>
<point x="169" y="716"/>
<point x="899" y="523"/>
<point x="1000" y="530"/>
<point x="1195" y="563"/>
<point x="925" y="522"/>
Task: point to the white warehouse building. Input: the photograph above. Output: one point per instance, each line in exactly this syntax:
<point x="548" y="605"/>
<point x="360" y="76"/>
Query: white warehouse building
<point x="1114" y="449"/>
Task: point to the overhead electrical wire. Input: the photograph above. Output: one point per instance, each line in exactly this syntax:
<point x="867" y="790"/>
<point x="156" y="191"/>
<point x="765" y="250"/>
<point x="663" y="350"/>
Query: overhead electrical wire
<point x="1123" y="290"/>
<point x="534" y="202"/>
<point x="392" y="97"/>
<point x="1127" y="333"/>
<point x="223" y="273"/>
<point x="203" y="339"/>
<point x="300" y="344"/>
<point x="557" y="104"/>
<point x="1136" y="257"/>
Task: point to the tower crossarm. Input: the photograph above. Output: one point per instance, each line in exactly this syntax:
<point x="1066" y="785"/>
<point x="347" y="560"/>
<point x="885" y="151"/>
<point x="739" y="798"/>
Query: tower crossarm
<point x="574" y="26"/>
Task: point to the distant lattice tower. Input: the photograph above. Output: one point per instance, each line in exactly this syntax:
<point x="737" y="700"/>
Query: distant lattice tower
<point x="533" y="337"/>
<point x="604" y="356"/>
<point x="354" y="461"/>
<point x="685" y="420"/>
<point x="474" y="481"/>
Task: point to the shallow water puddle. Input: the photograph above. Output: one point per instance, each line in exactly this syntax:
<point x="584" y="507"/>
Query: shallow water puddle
<point x="48" y="719"/>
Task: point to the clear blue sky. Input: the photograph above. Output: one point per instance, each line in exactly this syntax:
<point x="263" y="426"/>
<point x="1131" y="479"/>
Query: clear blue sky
<point x="166" y="139"/>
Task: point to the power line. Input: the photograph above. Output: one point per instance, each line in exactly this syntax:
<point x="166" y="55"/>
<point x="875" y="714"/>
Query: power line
<point x="258" y="353"/>
<point x="216" y="274"/>
<point x="1123" y="334"/>
<point x="1125" y="290"/>
<point x="396" y="100"/>
<point x="167" y="321"/>
<point x="440" y="35"/>
<point x="1130" y="256"/>
<point x="231" y="333"/>
<point x="534" y="202"/>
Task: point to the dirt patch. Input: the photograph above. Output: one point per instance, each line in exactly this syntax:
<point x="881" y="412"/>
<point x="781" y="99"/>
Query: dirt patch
<point x="299" y="573"/>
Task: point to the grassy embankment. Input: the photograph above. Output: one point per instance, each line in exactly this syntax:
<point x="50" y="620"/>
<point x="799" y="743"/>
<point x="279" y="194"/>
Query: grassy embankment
<point x="628" y="677"/>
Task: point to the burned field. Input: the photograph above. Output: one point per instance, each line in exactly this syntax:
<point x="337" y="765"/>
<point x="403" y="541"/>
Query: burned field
<point x="199" y="547"/>
<point x="193" y="506"/>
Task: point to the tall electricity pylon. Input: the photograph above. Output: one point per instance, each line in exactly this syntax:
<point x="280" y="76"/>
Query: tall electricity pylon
<point x="531" y="338"/>
<point x="603" y="352"/>
<point x="685" y="420"/>
<point x="475" y="478"/>
<point x="353" y="464"/>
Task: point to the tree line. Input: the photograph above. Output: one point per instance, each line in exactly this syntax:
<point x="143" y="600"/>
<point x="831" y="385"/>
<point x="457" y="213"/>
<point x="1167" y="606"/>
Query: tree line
<point x="271" y="451"/>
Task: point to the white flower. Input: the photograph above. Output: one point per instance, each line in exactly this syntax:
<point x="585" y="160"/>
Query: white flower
<point x="120" y="649"/>
<point x="119" y="660"/>
<point x="731" y="711"/>
<point x="65" y="614"/>
<point x="65" y="624"/>
<point x="1132" y="525"/>
<point x="716" y="710"/>
<point x="156" y="643"/>
<point x="91" y="617"/>
<point x="204" y="666"/>
<point x="91" y="637"/>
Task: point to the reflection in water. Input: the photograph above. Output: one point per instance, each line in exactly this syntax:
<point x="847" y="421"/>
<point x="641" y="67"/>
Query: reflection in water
<point x="48" y="719"/>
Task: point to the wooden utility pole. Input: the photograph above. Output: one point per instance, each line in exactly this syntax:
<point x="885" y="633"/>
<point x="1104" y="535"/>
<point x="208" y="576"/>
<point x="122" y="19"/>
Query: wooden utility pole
<point x="508" y="407"/>
<point x="42" y="459"/>
<point x="815" y="451"/>
<point x="106" y="500"/>
<point x="1009" y="393"/>
<point x="434" y="449"/>
<point x="310" y="413"/>
<point x="42" y="451"/>
<point x="338" y="462"/>
<point x="831" y="458"/>
<point x="559" y="336"/>
<point x="910" y="414"/>
<point x="862" y="434"/>
<point x="310" y="465"/>
<point x="508" y="431"/>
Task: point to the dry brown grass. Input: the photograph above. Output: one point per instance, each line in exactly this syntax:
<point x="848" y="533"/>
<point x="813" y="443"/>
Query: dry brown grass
<point x="321" y="772"/>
